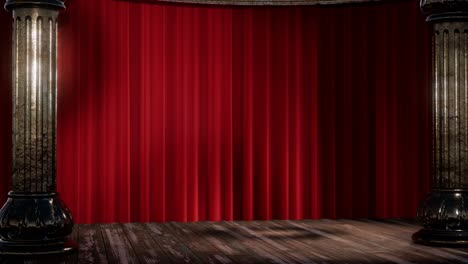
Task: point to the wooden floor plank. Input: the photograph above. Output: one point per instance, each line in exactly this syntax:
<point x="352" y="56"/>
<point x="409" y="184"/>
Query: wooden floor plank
<point x="401" y="242"/>
<point x="270" y="251"/>
<point x="399" y="228"/>
<point x="198" y="244"/>
<point x="325" y="243"/>
<point x="403" y="245"/>
<point x="147" y="250"/>
<point x="91" y="248"/>
<point x="253" y="242"/>
<point x="412" y="226"/>
<point x="357" y="246"/>
<point x="406" y="222"/>
<point x="118" y="248"/>
<point x="291" y="240"/>
<point x="225" y="242"/>
<point x="322" y="243"/>
<point x="176" y="251"/>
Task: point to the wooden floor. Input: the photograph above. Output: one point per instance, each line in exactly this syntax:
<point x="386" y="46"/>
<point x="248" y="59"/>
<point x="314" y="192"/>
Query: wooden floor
<point x="320" y="241"/>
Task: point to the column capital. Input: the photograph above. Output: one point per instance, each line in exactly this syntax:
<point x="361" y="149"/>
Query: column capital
<point x="445" y="9"/>
<point x="50" y="4"/>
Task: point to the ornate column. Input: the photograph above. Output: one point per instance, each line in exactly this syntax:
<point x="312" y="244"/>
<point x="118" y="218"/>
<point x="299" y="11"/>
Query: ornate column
<point x="34" y="220"/>
<point x="444" y="212"/>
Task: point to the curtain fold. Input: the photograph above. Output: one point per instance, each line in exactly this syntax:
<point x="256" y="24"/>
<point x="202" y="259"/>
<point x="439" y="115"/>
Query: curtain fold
<point x="188" y="113"/>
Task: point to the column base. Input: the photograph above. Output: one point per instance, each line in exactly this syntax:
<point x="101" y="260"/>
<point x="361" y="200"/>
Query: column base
<point x="444" y="215"/>
<point x="441" y="238"/>
<point x="35" y="224"/>
<point x="27" y="248"/>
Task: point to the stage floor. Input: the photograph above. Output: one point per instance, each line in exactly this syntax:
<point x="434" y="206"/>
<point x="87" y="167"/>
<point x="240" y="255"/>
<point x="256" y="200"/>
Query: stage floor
<point x="310" y="241"/>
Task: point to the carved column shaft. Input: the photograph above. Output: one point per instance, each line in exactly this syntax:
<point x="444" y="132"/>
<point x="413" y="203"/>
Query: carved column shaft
<point x="34" y="100"/>
<point x="450" y="105"/>
<point x="444" y="212"/>
<point x="34" y="220"/>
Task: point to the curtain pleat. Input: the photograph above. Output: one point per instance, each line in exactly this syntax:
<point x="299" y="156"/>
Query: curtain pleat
<point x="186" y="113"/>
<point x="6" y="100"/>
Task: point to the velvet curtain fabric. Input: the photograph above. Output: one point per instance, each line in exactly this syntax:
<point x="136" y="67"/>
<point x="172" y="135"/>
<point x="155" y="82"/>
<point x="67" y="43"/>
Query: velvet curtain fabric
<point x="178" y="112"/>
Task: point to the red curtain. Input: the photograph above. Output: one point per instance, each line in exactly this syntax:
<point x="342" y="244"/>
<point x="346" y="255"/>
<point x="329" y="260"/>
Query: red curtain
<point x="5" y="104"/>
<point x="178" y="112"/>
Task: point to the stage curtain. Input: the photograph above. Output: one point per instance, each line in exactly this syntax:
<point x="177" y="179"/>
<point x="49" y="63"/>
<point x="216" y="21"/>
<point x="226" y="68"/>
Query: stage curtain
<point x="185" y="113"/>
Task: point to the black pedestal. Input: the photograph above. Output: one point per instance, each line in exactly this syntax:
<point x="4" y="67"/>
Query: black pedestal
<point x="441" y="238"/>
<point x="35" y="224"/>
<point x="444" y="214"/>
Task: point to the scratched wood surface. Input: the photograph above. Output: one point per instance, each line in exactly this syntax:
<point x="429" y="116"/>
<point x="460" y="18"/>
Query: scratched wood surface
<point x="307" y="241"/>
